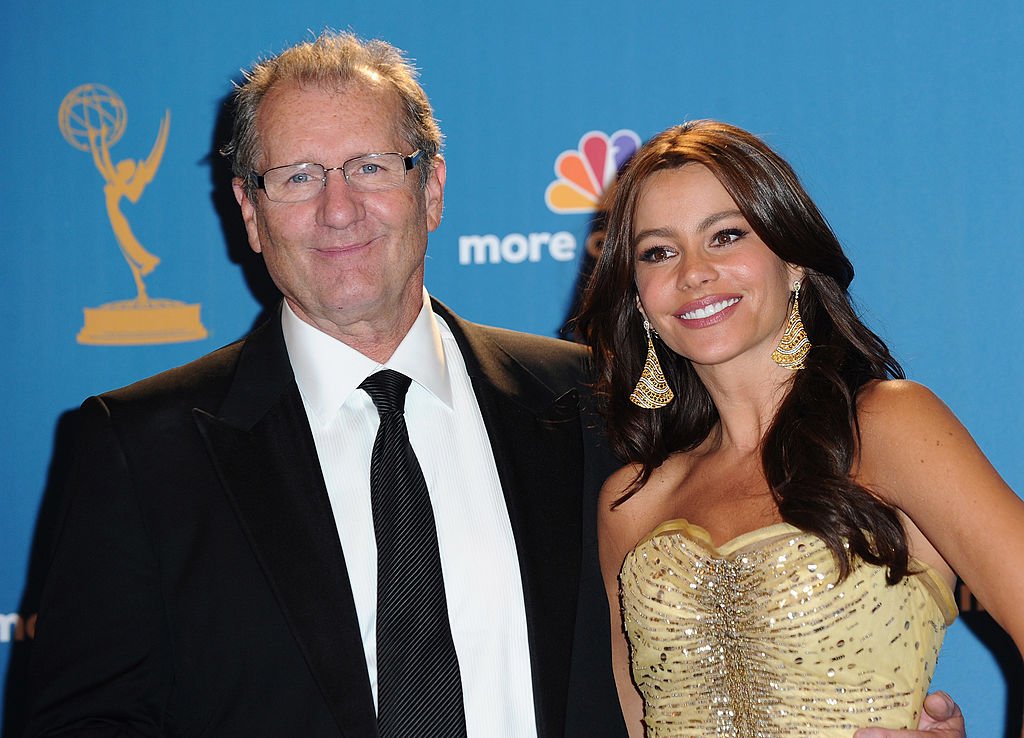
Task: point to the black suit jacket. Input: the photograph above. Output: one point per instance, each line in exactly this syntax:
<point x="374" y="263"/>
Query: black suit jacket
<point x="199" y="586"/>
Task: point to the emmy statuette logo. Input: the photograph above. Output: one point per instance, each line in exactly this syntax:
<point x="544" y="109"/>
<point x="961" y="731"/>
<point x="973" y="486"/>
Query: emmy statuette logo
<point x="93" y="118"/>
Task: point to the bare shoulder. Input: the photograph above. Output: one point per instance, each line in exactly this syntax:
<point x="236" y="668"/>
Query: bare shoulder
<point x="897" y="400"/>
<point x="623" y="522"/>
<point x="617" y="517"/>
<point x="617" y="484"/>
<point x="898" y="415"/>
<point x="910" y="440"/>
<point x="648" y="496"/>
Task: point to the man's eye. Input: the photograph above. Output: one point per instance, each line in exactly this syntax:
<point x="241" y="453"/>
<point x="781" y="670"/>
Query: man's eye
<point x="368" y="168"/>
<point x="300" y="178"/>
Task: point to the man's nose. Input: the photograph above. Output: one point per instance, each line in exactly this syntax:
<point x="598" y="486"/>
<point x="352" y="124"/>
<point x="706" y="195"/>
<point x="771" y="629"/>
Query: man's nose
<point x="340" y="205"/>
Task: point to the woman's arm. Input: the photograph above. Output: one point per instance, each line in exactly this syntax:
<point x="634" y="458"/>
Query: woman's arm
<point x="965" y="518"/>
<point x="616" y="535"/>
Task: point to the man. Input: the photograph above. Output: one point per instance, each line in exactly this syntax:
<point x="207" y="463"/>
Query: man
<point x="217" y="572"/>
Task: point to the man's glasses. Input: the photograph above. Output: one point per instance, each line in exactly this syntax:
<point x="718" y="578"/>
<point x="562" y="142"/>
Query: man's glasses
<point x="367" y="173"/>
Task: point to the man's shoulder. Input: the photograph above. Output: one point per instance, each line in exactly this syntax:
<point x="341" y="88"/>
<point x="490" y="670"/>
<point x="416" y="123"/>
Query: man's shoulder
<point x="525" y="347"/>
<point x="531" y="345"/>
<point x="555" y="362"/>
<point x="196" y="383"/>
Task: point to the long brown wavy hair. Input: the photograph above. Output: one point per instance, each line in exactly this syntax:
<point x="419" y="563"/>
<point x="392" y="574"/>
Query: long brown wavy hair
<point x="808" y="452"/>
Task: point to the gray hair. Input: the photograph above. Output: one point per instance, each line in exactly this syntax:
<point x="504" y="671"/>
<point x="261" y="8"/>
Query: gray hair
<point x="332" y="60"/>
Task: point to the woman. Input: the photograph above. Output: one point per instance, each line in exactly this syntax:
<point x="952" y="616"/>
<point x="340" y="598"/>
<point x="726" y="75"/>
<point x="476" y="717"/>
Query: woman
<point x="787" y="530"/>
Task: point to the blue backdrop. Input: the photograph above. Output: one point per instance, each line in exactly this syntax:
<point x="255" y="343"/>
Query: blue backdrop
<point x="904" y="121"/>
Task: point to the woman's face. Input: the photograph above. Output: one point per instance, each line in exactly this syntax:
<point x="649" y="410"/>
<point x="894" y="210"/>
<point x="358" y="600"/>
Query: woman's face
<point x="709" y="285"/>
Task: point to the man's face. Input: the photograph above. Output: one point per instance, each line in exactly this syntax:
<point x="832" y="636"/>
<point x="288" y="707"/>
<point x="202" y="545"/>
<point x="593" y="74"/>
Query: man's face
<point x="347" y="262"/>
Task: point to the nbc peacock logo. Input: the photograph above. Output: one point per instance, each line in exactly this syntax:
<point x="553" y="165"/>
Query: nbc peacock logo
<point x="584" y="176"/>
<point x="585" y="173"/>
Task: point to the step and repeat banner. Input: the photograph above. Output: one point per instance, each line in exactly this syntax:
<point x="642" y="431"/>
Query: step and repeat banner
<point x="124" y="253"/>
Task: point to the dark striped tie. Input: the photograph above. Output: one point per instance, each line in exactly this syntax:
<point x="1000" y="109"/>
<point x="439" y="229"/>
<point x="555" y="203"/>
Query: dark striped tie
<point x="419" y="692"/>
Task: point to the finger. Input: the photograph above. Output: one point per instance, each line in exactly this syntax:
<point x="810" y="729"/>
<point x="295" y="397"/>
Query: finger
<point x="940" y="707"/>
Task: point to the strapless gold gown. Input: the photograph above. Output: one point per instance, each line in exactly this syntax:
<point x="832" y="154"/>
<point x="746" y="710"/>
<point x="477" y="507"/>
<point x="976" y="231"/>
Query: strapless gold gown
<point x="755" y="639"/>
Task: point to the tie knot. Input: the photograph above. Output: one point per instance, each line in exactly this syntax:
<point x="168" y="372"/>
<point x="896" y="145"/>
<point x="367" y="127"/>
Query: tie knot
<point x="387" y="389"/>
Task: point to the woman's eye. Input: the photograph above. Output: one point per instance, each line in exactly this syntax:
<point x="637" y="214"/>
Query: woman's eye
<point x="727" y="236"/>
<point x="655" y="254"/>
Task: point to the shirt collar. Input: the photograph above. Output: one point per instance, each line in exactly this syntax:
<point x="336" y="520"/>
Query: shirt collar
<point x="328" y="371"/>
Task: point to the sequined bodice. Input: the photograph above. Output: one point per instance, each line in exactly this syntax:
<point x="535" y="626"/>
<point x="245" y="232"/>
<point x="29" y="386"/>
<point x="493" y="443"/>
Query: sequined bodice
<point x="755" y="639"/>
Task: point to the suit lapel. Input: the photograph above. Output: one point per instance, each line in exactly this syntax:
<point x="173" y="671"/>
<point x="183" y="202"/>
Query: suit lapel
<point x="536" y="439"/>
<point x="263" y="450"/>
<point x="262" y="447"/>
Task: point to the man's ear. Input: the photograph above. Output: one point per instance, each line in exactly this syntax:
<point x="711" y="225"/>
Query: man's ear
<point x="433" y="193"/>
<point x="248" y="208"/>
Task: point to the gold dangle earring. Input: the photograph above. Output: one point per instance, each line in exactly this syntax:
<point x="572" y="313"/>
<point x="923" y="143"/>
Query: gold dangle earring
<point x="652" y="390"/>
<point x="794" y="344"/>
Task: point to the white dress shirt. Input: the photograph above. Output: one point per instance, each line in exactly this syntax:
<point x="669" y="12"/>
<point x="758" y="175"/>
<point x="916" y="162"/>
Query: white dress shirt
<point x="482" y="582"/>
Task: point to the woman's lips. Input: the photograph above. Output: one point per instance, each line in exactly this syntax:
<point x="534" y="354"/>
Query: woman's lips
<point x="707" y="310"/>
